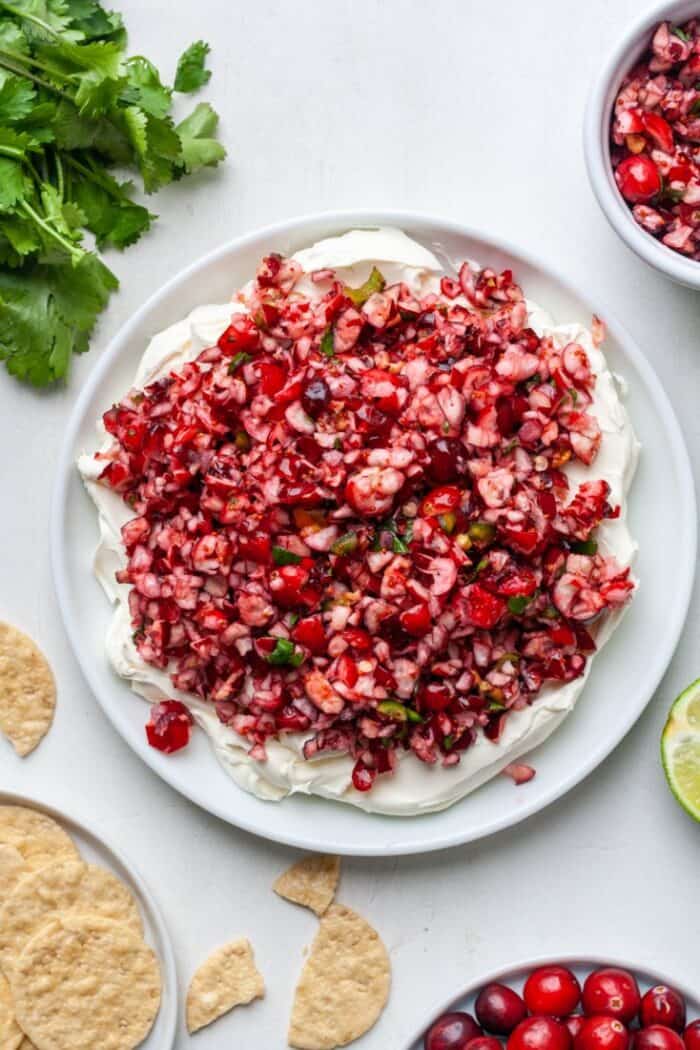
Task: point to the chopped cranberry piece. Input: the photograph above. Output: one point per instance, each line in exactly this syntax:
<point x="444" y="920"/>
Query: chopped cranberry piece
<point x="482" y="608"/>
<point x="638" y="179"/>
<point x="315" y="396"/>
<point x="168" y="728"/>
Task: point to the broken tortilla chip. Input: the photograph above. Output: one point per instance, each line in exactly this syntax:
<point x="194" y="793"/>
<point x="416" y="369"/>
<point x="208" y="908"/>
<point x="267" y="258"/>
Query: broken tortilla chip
<point x="228" y="978"/>
<point x="27" y="690"/>
<point x="344" y="985"/>
<point x="311" y="882"/>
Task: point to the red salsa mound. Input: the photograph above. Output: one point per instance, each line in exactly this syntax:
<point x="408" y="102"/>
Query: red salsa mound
<point x="655" y="138"/>
<point x="351" y="519"/>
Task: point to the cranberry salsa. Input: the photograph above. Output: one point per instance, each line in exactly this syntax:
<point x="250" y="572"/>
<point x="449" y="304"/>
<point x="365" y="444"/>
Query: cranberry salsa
<point x="554" y="1012"/>
<point x="655" y="138"/>
<point x="352" y="518"/>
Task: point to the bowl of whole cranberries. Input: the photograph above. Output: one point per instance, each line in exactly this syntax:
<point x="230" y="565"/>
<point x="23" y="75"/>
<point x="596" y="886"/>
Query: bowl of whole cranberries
<point x="567" y="1005"/>
<point x="642" y="139"/>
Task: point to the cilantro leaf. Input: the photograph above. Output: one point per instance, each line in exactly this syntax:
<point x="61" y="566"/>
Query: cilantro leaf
<point x="47" y="312"/>
<point x="191" y="74"/>
<point x="17" y="98"/>
<point x="199" y="148"/>
<point x="144" y="88"/>
<point x="109" y="212"/>
<point x="91" y="19"/>
<point x="12" y="183"/>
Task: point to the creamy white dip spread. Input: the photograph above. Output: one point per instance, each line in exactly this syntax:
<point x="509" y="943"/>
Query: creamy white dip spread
<point x="415" y="787"/>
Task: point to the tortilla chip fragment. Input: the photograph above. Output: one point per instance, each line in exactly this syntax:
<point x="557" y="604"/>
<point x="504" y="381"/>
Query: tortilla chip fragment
<point x="10" y="1032"/>
<point x="27" y="690"/>
<point x="311" y="882"/>
<point x="69" y="887"/>
<point x="38" y="838"/>
<point x="84" y="982"/>
<point x="12" y="868"/>
<point x="344" y="985"/>
<point x="228" y="978"/>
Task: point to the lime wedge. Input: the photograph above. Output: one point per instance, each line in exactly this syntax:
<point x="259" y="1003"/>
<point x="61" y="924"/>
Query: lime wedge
<point x="680" y="749"/>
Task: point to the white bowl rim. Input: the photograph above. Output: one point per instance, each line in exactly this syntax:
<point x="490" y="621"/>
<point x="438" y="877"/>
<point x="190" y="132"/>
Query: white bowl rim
<point x="166" y="956"/>
<point x="596" y="132"/>
<point x="348" y="219"/>
<point x="506" y="973"/>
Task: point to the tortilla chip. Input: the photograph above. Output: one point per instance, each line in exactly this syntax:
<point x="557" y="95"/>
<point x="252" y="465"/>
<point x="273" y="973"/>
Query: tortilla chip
<point x="228" y="978"/>
<point x="10" y="1032"/>
<point x="344" y="985"/>
<point x="12" y="869"/>
<point x="69" y="887"/>
<point x="83" y="983"/>
<point x="27" y="690"/>
<point x="38" y="838"/>
<point x="311" y="882"/>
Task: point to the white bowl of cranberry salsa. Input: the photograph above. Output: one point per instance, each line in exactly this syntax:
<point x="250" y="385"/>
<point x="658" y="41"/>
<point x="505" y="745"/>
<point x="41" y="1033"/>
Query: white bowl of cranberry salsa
<point x="642" y="139"/>
<point x="567" y="1004"/>
<point x="618" y="687"/>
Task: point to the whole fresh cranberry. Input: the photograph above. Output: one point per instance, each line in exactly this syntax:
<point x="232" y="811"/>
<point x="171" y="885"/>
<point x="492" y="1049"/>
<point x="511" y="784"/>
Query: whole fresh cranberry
<point x="602" y="1033"/>
<point x="499" y="1009"/>
<point x="552" y="990"/>
<point x="539" y="1033"/>
<point x="574" y="1023"/>
<point x="612" y="992"/>
<point x="638" y="178"/>
<point x="658" y="1037"/>
<point x="452" y="1031"/>
<point x="691" y="1036"/>
<point x="662" y="1005"/>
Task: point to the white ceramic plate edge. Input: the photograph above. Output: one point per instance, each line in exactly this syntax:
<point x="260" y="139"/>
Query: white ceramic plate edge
<point x="685" y="538"/>
<point x="516" y="970"/>
<point x="168" y="1014"/>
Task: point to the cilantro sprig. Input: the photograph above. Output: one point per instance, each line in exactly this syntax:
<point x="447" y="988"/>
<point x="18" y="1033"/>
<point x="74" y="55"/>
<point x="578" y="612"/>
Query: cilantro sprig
<point x="74" y="106"/>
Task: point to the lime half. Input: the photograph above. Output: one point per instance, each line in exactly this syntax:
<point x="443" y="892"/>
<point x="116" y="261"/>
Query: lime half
<point x="680" y="749"/>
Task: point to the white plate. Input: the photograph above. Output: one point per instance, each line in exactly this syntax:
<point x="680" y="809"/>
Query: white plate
<point x="95" y="850"/>
<point x="516" y="975"/>
<point x="662" y="512"/>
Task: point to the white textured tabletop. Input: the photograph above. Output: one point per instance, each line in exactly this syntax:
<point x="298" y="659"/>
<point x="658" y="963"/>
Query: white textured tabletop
<point x="473" y="111"/>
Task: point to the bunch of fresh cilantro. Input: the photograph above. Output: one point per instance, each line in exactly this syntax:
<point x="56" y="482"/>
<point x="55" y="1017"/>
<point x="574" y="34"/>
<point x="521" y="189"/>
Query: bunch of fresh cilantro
<point x="74" y="109"/>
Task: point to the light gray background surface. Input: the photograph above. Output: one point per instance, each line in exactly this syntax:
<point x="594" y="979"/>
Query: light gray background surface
<point x="473" y="111"/>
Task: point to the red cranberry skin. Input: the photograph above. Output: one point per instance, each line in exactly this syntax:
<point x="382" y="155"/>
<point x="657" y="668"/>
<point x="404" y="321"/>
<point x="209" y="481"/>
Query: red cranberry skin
<point x="452" y="1031"/>
<point x="638" y="179"/>
<point x="499" y="1009"/>
<point x="485" y="1042"/>
<point x="662" y="1005"/>
<point x="602" y="1033"/>
<point x="539" y="1033"/>
<point x="574" y="1023"/>
<point x="552" y="990"/>
<point x="612" y="992"/>
<point x="658" y="1037"/>
<point x="446" y="458"/>
<point x="691" y="1036"/>
<point x="315" y="397"/>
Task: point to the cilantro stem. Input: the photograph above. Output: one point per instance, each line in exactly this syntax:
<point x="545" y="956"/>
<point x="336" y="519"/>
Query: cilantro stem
<point x="75" y="253"/>
<point x="22" y="71"/>
<point x="59" y="174"/>
<point x="10" y="151"/>
<point x="94" y="176"/>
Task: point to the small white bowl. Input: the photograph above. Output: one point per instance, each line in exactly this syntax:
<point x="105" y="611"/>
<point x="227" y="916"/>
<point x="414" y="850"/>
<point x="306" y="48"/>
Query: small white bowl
<point x="596" y="142"/>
